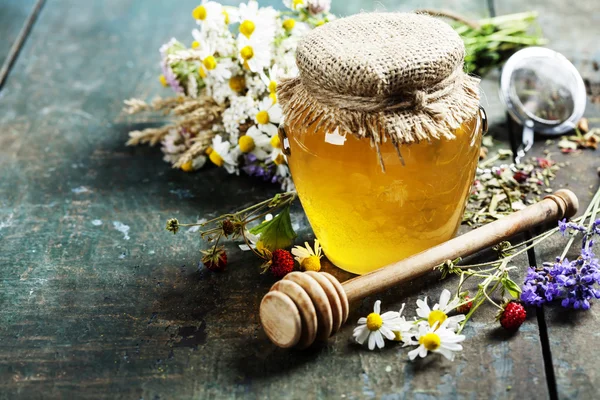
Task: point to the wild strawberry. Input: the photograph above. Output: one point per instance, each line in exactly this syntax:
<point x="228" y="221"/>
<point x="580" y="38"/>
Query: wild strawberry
<point x="520" y="176"/>
<point x="215" y="259"/>
<point x="282" y="263"/>
<point x="466" y="307"/>
<point x="513" y="316"/>
<point x="228" y="227"/>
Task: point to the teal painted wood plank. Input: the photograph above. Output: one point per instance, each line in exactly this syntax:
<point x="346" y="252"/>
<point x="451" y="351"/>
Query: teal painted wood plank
<point x="16" y="17"/>
<point x="91" y="309"/>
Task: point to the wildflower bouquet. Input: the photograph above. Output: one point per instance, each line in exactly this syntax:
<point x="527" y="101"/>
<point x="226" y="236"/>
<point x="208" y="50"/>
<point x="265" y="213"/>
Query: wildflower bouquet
<point x="225" y="110"/>
<point x="226" y="85"/>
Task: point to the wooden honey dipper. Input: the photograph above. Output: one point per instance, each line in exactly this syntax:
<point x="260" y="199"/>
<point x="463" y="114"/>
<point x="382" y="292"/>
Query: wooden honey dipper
<point x="308" y="306"/>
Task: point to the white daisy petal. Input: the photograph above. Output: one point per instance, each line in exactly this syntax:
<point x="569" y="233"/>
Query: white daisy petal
<point x="444" y="298"/>
<point x="452" y="346"/>
<point x="385" y="331"/>
<point x="377" y="307"/>
<point x="363" y="335"/>
<point x="414" y="353"/>
<point x="446" y="353"/>
<point x="379" y="339"/>
<point x="371" y="341"/>
<point x="362" y="320"/>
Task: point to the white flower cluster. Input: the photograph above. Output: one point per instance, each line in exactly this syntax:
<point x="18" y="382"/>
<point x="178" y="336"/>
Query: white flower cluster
<point x="433" y="331"/>
<point x="237" y="57"/>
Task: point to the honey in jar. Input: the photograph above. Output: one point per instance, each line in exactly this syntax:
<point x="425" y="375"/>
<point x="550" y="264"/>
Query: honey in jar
<point x="383" y="158"/>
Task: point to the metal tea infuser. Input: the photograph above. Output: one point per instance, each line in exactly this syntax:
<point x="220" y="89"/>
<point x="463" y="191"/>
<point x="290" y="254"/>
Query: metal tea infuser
<point x="543" y="92"/>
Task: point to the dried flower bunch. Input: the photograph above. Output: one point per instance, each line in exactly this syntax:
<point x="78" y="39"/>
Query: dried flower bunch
<point x="226" y="108"/>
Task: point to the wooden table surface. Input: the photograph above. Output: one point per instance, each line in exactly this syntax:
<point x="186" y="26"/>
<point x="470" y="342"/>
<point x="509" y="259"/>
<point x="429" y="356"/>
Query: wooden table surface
<point x="91" y="311"/>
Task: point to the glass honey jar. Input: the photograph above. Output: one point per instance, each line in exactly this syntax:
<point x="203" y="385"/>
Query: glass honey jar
<point x="383" y="159"/>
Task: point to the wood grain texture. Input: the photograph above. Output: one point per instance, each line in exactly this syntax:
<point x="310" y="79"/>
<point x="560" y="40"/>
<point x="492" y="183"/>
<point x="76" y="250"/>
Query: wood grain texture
<point x="571" y="333"/>
<point x="91" y="311"/>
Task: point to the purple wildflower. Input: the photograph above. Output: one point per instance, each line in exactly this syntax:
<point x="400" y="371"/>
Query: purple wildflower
<point x="562" y="225"/>
<point x="261" y="169"/>
<point x="539" y="287"/>
<point x="171" y="78"/>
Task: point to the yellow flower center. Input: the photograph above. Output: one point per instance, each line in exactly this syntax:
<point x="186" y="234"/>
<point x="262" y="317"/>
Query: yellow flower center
<point x="374" y="321"/>
<point x="397" y="336"/>
<point x="297" y="3"/>
<point x="437" y="316"/>
<point x="272" y="86"/>
<point x="163" y="80"/>
<point x="262" y="117"/>
<point x="246" y="28"/>
<point x="289" y="24"/>
<point x="247" y="53"/>
<point x="320" y="22"/>
<point x="237" y="83"/>
<point x="431" y="341"/>
<point x="276" y="142"/>
<point x="188" y="166"/>
<point x="208" y="150"/>
<point x="199" y="13"/>
<point x="195" y="44"/>
<point x="226" y="15"/>
<point x="210" y="62"/>
<point x="201" y="72"/>
<point x="273" y="97"/>
<point x="280" y="159"/>
<point x="246" y="144"/>
<point x="216" y="158"/>
<point x="312" y="263"/>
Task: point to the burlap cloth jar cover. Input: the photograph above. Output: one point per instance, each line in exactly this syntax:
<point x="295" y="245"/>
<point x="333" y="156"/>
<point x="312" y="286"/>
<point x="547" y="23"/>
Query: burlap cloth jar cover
<point x="381" y="76"/>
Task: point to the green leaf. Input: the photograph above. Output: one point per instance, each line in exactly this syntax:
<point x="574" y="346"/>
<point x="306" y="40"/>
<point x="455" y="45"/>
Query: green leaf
<point x="276" y="233"/>
<point x="511" y="287"/>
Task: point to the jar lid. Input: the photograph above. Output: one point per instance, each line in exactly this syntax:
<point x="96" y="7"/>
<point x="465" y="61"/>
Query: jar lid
<point x="396" y="76"/>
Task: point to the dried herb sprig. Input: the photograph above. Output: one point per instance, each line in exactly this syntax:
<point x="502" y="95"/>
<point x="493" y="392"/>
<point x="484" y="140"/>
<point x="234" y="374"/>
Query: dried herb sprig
<point x="275" y="233"/>
<point x="495" y="274"/>
<point x="496" y="39"/>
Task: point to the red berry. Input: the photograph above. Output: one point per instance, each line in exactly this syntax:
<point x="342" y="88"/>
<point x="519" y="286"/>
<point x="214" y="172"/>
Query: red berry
<point x="282" y="263"/>
<point x="465" y="308"/>
<point x="513" y="316"/>
<point x="215" y="259"/>
<point x="520" y="176"/>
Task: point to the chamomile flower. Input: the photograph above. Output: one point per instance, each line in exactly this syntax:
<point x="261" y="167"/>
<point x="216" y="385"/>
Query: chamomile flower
<point x="194" y="164"/>
<point x="437" y="339"/>
<point x="254" y="54"/>
<point x="404" y="330"/>
<point x="255" y="21"/>
<point x="267" y="116"/>
<point x="270" y="81"/>
<point x="439" y="313"/>
<point x="211" y="66"/>
<point x="221" y="154"/>
<point x="375" y="327"/>
<point x="308" y="258"/>
<point x="209" y="15"/>
<point x="254" y="142"/>
<point x="295" y="5"/>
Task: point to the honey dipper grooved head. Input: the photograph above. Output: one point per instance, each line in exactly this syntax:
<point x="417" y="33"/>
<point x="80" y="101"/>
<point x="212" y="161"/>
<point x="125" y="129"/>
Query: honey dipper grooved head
<point x="302" y="308"/>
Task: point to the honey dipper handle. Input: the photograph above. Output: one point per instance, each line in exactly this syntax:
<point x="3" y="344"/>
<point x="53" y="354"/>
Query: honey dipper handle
<point x="562" y="204"/>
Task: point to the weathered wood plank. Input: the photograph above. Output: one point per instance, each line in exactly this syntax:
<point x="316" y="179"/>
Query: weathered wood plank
<point x="16" y="19"/>
<point x="571" y="332"/>
<point x="89" y="311"/>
